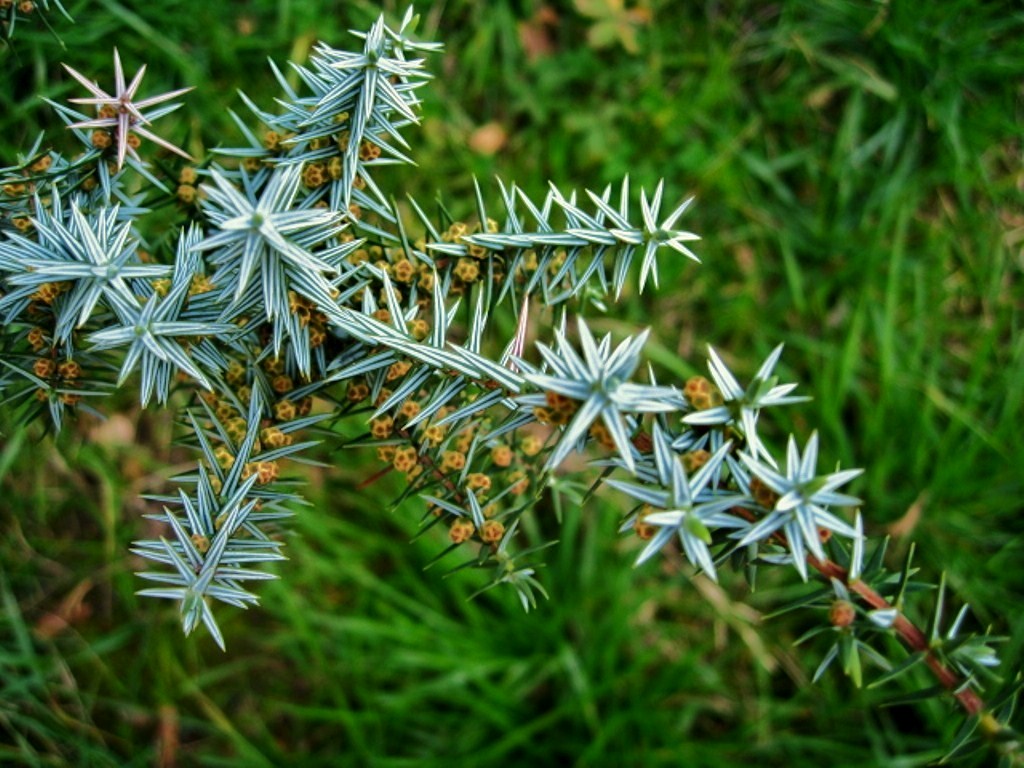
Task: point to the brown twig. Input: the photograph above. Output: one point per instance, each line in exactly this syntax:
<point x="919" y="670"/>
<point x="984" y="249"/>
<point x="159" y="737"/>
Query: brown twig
<point x="367" y="482"/>
<point x="908" y="632"/>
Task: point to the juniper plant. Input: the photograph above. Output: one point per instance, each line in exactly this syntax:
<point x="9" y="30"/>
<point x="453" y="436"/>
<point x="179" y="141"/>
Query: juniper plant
<point x="298" y="293"/>
<point x="121" y="112"/>
<point x="14" y="14"/>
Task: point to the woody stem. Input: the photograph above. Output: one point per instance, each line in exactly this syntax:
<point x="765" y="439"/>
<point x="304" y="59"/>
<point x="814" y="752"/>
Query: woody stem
<point x="908" y="632"/>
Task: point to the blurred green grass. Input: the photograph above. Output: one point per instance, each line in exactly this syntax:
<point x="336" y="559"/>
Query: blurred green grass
<point x="858" y="173"/>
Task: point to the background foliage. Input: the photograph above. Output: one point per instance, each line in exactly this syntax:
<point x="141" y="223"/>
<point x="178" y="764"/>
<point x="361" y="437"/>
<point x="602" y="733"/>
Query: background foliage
<point x="858" y="173"/>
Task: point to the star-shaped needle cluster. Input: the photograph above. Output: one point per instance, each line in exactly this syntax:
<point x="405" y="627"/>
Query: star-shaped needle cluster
<point x="685" y="505"/>
<point x="122" y="113"/>
<point x="803" y="500"/>
<point x="599" y="381"/>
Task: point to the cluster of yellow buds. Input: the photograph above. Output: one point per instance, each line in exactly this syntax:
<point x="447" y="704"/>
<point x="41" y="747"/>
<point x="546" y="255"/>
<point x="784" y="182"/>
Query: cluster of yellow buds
<point x="16" y="189"/>
<point x="492" y="532"/>
<point x="462" y="530"/>
<point x="22" y="187"/>
<point x="701" y="393"/>
<point x="272" y="437"/>
<point x="403" y="271"/>
<point x="559" y="409"/>
<point x="452" y="461"/>
<point x="265" y="471"/>
<point x="37" y="338"/>
<point x="469" y="269"/>
<point x="273" y="433"/>
<point x="47" y="293"/>
<point x="289" y="410"/>
<point x="445" y="453"/>
<point x="58" y="375"/>
<point x="405" y="459"/>
<point x="602" y="435"/>
<point x="200" y="284"/>
<point x="316" y="174"/>
<point x="327" y="168"/>
<point x="187" y="183"/>
<point x="380" y="427"/>
<point x="313" y="320"/>
<point x="642" y="529"/>
<point x="368" y="151"/>
<point x="763" y="495"/>
<point x="358" y="390"/>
